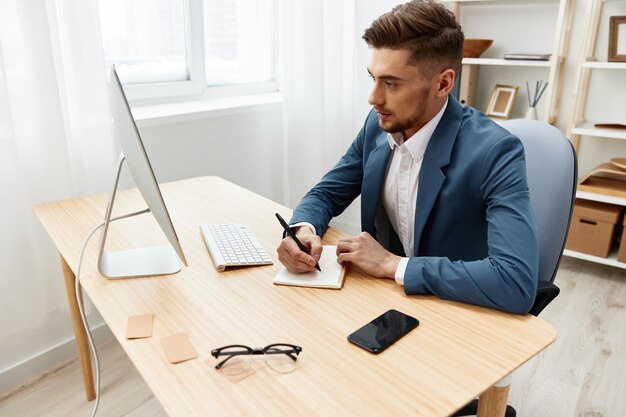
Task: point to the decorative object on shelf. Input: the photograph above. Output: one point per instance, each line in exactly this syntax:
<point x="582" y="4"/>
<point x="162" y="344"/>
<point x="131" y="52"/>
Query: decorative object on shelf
<point x="533" y="99"/>
<point x="501" y="102"/>
<point x="531" y="113"/>
<point x="617" y="39"/>
<point x="473" y="48"/>
<point x="618" y="162"/>
<point x="610" y="126"/>
<point x="527" y="57"/>
<point x="607" y="178"/>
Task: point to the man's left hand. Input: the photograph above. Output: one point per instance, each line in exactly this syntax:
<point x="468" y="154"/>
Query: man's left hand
<point x="368" y="255"/>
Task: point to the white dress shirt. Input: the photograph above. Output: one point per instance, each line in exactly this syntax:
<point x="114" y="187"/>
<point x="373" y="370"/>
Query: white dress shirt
<point x="399" y="194"/>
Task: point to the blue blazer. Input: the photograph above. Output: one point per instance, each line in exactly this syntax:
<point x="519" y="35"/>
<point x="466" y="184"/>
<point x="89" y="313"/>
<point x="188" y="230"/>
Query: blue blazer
<point x="475" y="233"/>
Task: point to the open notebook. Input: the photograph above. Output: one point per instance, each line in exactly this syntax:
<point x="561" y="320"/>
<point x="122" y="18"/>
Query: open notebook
<point x="332" y="275"/>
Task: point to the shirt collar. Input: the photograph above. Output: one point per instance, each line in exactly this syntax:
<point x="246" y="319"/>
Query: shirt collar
<point x="416" y="144"/>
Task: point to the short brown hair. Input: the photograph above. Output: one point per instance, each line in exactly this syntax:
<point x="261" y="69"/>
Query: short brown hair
<point x="426" y="28"/>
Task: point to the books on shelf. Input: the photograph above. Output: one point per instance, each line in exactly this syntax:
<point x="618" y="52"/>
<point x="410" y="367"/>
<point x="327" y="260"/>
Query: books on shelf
<point x="610" y="126"/>
<point x="528" y="57"/>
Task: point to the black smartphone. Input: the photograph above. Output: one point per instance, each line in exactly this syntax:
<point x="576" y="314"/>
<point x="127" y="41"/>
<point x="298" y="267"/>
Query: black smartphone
<point x="383" y="331"/>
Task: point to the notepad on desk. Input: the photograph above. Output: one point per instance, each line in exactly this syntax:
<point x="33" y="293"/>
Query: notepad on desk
<point x="332" y="275"/>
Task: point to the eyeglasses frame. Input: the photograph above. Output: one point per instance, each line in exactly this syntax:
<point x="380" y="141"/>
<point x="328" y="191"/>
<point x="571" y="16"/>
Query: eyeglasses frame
<point x="255" y="351"/>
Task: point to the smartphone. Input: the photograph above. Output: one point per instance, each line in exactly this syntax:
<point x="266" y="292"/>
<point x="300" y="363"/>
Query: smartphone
<point x="383" y="331"/>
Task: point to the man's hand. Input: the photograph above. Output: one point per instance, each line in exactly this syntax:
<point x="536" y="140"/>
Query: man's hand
<point x="367" y="254"/>
<point x="295" y="260"/>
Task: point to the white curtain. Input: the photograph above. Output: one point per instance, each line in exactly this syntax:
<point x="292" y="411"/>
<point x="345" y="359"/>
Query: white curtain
<point x="317" y="78"/>
<point x="55" y="143"/>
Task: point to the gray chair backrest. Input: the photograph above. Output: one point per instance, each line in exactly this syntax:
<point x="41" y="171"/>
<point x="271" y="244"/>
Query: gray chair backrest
<point x="551" y="168"/>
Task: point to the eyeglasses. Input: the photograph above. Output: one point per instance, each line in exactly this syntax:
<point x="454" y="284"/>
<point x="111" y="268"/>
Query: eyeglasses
<point x="280" y="357"/>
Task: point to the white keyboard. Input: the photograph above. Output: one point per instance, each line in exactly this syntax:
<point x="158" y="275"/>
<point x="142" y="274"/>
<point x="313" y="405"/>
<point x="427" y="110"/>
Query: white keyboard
<point x="233" y="245"/>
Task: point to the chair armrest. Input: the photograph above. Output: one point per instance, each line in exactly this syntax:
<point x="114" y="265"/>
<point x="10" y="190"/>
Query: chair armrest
<point x="546" y="292"/>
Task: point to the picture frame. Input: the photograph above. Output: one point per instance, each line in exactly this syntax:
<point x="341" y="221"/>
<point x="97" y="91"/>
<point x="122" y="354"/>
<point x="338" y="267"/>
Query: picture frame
<point x="617" y="39"/>
<point x="502" y="100"/>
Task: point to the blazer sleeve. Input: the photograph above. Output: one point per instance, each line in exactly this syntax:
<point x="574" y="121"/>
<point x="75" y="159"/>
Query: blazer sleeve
<point x="337" y="189"/>
<point x="507" y="278"/>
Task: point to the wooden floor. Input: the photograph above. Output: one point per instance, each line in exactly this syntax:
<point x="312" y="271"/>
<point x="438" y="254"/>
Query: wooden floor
<point x="582" y="374"/>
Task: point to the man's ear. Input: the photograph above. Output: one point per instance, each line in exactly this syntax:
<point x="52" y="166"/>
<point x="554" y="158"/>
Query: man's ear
<point x="445" y="82"/>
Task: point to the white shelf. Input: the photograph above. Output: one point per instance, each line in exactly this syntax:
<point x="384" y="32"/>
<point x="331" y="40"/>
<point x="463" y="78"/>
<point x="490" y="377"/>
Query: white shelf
<point x="604" y="65"/>
<point x="587" y="129"/>
<point x="602" y="198"/>
<point x="611" y="260"/>
<point x="506" y="62"/>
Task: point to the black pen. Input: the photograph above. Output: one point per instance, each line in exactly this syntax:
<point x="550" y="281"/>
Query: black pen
<point x="290" y="232"/>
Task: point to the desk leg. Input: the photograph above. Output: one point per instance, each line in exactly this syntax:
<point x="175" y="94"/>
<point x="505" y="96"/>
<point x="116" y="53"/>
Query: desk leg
<point x="82" y="346"/>
<point x="492" y="403"/>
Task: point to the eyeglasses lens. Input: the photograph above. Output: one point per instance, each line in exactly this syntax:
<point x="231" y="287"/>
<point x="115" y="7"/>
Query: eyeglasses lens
<point x="281" y="358"/>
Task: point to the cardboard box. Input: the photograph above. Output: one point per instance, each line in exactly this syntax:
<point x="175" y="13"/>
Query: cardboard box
<point x="621" y="254"/>
<point x="593" y="227"/>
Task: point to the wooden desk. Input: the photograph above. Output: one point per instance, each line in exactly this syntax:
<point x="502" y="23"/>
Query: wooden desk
<point x="457" y="352"/>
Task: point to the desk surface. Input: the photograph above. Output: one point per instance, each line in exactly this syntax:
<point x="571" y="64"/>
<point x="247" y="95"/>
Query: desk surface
<point x="456" y="353"/>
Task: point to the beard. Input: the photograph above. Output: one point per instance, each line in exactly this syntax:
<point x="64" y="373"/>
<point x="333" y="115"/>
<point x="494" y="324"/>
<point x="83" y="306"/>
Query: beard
<point x="416" y="118"/>
<point x="400" y="126"/>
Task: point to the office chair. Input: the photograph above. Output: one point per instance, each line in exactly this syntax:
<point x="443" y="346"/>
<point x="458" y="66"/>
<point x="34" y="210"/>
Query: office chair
<point x="552" y="171"/>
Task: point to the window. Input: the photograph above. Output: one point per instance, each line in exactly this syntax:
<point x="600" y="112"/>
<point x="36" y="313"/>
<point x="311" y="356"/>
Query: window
<point x="174" y="48"/>
<point x="238" y="40"/>
<point x="146" y="39"/>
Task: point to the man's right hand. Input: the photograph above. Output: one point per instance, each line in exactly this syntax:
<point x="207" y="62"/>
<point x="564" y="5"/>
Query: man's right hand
<point x="295" y="260"/>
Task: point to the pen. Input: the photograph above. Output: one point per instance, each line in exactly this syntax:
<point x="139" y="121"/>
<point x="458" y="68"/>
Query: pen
<point x="290" y="232"/>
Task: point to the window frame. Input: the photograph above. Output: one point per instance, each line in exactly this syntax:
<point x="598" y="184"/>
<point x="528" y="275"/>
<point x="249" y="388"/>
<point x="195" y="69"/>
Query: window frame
<point x="196" y="88"/>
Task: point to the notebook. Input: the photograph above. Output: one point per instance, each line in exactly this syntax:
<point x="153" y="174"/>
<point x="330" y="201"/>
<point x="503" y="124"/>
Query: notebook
<point x="528" y="57"/>
<point x="332" y="275"/>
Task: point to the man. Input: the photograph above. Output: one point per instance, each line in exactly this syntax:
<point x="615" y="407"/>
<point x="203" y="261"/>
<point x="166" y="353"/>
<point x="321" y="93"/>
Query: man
<point x="445" y="206"/>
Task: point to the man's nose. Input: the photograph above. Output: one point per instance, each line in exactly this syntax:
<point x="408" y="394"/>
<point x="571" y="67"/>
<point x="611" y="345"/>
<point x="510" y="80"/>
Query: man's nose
<point x="376" y="97"/>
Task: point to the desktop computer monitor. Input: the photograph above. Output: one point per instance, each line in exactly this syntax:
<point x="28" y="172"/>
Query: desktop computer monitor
<point x="154" y="260"/>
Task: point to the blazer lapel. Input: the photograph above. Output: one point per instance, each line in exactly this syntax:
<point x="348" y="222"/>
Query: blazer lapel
<point x="437" y="156"/>
<point x="373" y="178"/>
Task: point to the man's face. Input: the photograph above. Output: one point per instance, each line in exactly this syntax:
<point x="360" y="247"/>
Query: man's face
<point x="403" y="97"/>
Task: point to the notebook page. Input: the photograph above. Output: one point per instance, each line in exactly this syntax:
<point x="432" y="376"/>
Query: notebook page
<point x="331" y="276"/>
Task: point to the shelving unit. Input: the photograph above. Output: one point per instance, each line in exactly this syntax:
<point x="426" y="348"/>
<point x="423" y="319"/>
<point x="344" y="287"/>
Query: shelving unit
<point x="578" y="126"/>
<point x="505" y="62"/>
<point x="471" y="66"/>
<point x="602" y="198"/>
<point x="611" y="260"/>
<point x="604" y="65"/>
<point x="587" y="129"/>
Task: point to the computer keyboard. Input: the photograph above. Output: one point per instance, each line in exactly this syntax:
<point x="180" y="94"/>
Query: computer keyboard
<point x="233" y="244"/>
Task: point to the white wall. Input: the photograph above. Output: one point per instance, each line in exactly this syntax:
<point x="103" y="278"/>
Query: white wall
<point x="246" y="148"/>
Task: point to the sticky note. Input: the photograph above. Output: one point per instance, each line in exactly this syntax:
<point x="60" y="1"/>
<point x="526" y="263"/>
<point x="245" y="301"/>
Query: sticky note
<point x="178" y="348"/>
<point x="139" y="327"/>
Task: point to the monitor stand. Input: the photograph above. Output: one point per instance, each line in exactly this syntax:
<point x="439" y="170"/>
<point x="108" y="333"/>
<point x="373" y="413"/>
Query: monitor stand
<point x="153" y="260"/>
